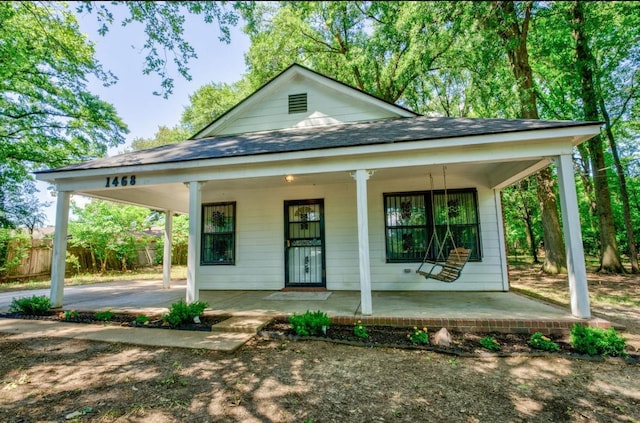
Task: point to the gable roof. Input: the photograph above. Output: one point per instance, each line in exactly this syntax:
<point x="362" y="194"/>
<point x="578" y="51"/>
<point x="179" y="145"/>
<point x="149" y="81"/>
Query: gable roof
<point x="280" y="81"/>
<point x="403" y="130"/>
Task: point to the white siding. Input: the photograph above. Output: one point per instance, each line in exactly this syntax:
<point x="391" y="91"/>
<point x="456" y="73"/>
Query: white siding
<point x="324" y="106"/>
<point x="260" y="239"/>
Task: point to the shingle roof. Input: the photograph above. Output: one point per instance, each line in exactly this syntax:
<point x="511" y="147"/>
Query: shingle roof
<point x="315" y="138"/>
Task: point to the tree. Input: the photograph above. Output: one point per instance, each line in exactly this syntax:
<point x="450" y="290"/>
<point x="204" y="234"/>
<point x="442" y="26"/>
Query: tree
<point x="211" y="101"/>
<point x="109" y="231"/>
<point x="585" y="63"/>
<point x="164" y="135"/>
<point x="381" y="48"/>
<point x="22" y="208"/>
<point x="206" y="104"/>
<point x="48" y="118"/>
<point x="163" y="24"/>
<point x="522" y="214"/>
<point x="511" y="22"/>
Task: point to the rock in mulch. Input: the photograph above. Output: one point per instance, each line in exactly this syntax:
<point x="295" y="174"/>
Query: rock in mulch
<point x="441" y="338"/>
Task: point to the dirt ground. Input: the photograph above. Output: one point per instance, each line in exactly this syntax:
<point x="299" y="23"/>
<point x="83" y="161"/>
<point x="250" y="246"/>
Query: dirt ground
<point x="279" y="380"/>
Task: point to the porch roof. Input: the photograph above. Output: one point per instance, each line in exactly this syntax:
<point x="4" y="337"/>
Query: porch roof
<point x="402" y="130"/>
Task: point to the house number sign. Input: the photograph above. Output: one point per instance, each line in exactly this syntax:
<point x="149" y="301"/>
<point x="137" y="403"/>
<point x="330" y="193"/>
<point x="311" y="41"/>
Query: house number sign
<point x="122" y="181"/>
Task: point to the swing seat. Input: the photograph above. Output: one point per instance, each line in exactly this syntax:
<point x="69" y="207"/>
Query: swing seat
<point x="449" y="270"/>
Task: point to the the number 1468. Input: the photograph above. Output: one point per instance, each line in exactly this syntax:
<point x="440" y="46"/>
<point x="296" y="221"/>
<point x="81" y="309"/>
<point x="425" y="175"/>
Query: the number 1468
<point x="122" y="181"/>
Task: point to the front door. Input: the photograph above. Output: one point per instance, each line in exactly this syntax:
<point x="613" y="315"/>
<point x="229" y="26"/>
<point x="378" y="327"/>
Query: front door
<point x="304" y="243"/>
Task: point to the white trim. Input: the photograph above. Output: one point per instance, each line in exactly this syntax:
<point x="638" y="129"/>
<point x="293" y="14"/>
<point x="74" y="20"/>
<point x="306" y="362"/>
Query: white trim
<point x="302" y="163"/>
<point x="518" y="175"/>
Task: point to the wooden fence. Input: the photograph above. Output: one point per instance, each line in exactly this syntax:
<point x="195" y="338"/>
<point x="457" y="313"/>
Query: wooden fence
<point x="36" y="260"/>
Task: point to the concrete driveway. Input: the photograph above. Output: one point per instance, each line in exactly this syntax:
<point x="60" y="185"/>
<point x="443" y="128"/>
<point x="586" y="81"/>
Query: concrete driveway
<point x="146" y="296"/>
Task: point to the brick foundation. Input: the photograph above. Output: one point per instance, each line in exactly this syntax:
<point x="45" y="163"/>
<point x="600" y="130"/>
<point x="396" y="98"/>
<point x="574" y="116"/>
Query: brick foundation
<point x="526" y="326"/>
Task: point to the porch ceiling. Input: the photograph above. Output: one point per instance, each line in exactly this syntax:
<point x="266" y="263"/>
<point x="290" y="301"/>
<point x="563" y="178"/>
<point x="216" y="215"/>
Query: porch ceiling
<point x="175" y="196"/>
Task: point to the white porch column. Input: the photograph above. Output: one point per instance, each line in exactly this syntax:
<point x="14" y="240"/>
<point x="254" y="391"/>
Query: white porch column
<point x="193" y="250"/>
<point x="361" y="176"/>
<point x="576" y="268"/>
<point x="59" y="249"/>
<point x="502" y="240"/>
<point x="166" y="258"/>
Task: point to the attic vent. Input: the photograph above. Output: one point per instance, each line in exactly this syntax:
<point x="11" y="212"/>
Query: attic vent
<point x="298" y="103"/>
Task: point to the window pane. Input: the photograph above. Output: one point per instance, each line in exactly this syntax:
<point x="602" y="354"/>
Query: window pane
<point x="460" y="207"/>
<point x="218" y="249"/>
<point x="410" y="220"/>
<point x="218" y="218"/>
<point x="406" y="244"/>
<point x="405" y="210"/>
<point x="218" y="233"/>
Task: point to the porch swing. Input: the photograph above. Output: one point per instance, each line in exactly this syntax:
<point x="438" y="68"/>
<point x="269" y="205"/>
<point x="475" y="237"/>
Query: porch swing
<point x="449" y="269"/>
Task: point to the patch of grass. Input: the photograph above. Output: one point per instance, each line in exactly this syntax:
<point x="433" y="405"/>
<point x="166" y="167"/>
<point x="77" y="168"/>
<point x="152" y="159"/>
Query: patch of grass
<point x="177" y="272"/>
<point x="624" y="299"/>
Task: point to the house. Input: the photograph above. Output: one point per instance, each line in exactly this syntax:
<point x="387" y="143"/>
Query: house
<point x="310" y="183"/>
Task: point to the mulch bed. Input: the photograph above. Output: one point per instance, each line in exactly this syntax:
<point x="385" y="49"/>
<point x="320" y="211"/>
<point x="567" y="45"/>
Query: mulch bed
<point x="462" y="344"/>
<point x="121" y="319"/>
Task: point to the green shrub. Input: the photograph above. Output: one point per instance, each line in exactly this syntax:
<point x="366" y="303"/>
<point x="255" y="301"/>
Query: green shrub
<point x="104" y="315"/>
<point x="36" y="305"/>
<point x="541" y="342"/>
<point x="419" y="336"/>
<point x="181" y="312"/>
<point x="360" y="330"/>
<point x="490" y="343"/>
<point x="597" y="341"/>
<point x="141" y="319"/>
<point x="69" y="315"/>
<point x="310" y="323"/>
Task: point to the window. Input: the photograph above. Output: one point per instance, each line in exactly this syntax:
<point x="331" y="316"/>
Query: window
<point x="298" y="103"/>
<point x="410" y="219"/>
<point x="218" y="233"/>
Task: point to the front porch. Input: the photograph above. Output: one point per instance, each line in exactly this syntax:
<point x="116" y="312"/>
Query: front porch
<point x="464" y="311"/>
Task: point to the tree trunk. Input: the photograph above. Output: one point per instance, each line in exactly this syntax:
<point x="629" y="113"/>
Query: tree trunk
<point x="624" y="194"/>
<point x="555" y="259"/>
<point x="609" y="256"/>
<point x="527" y="216"/>
<point x="515" y="39"/>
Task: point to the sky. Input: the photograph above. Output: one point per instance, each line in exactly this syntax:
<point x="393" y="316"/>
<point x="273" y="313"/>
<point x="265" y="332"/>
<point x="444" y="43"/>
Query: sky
<point x="133" y="96"/>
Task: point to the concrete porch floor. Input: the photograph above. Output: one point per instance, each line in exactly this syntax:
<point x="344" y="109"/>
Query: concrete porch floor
<point x="489" y="311"/>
